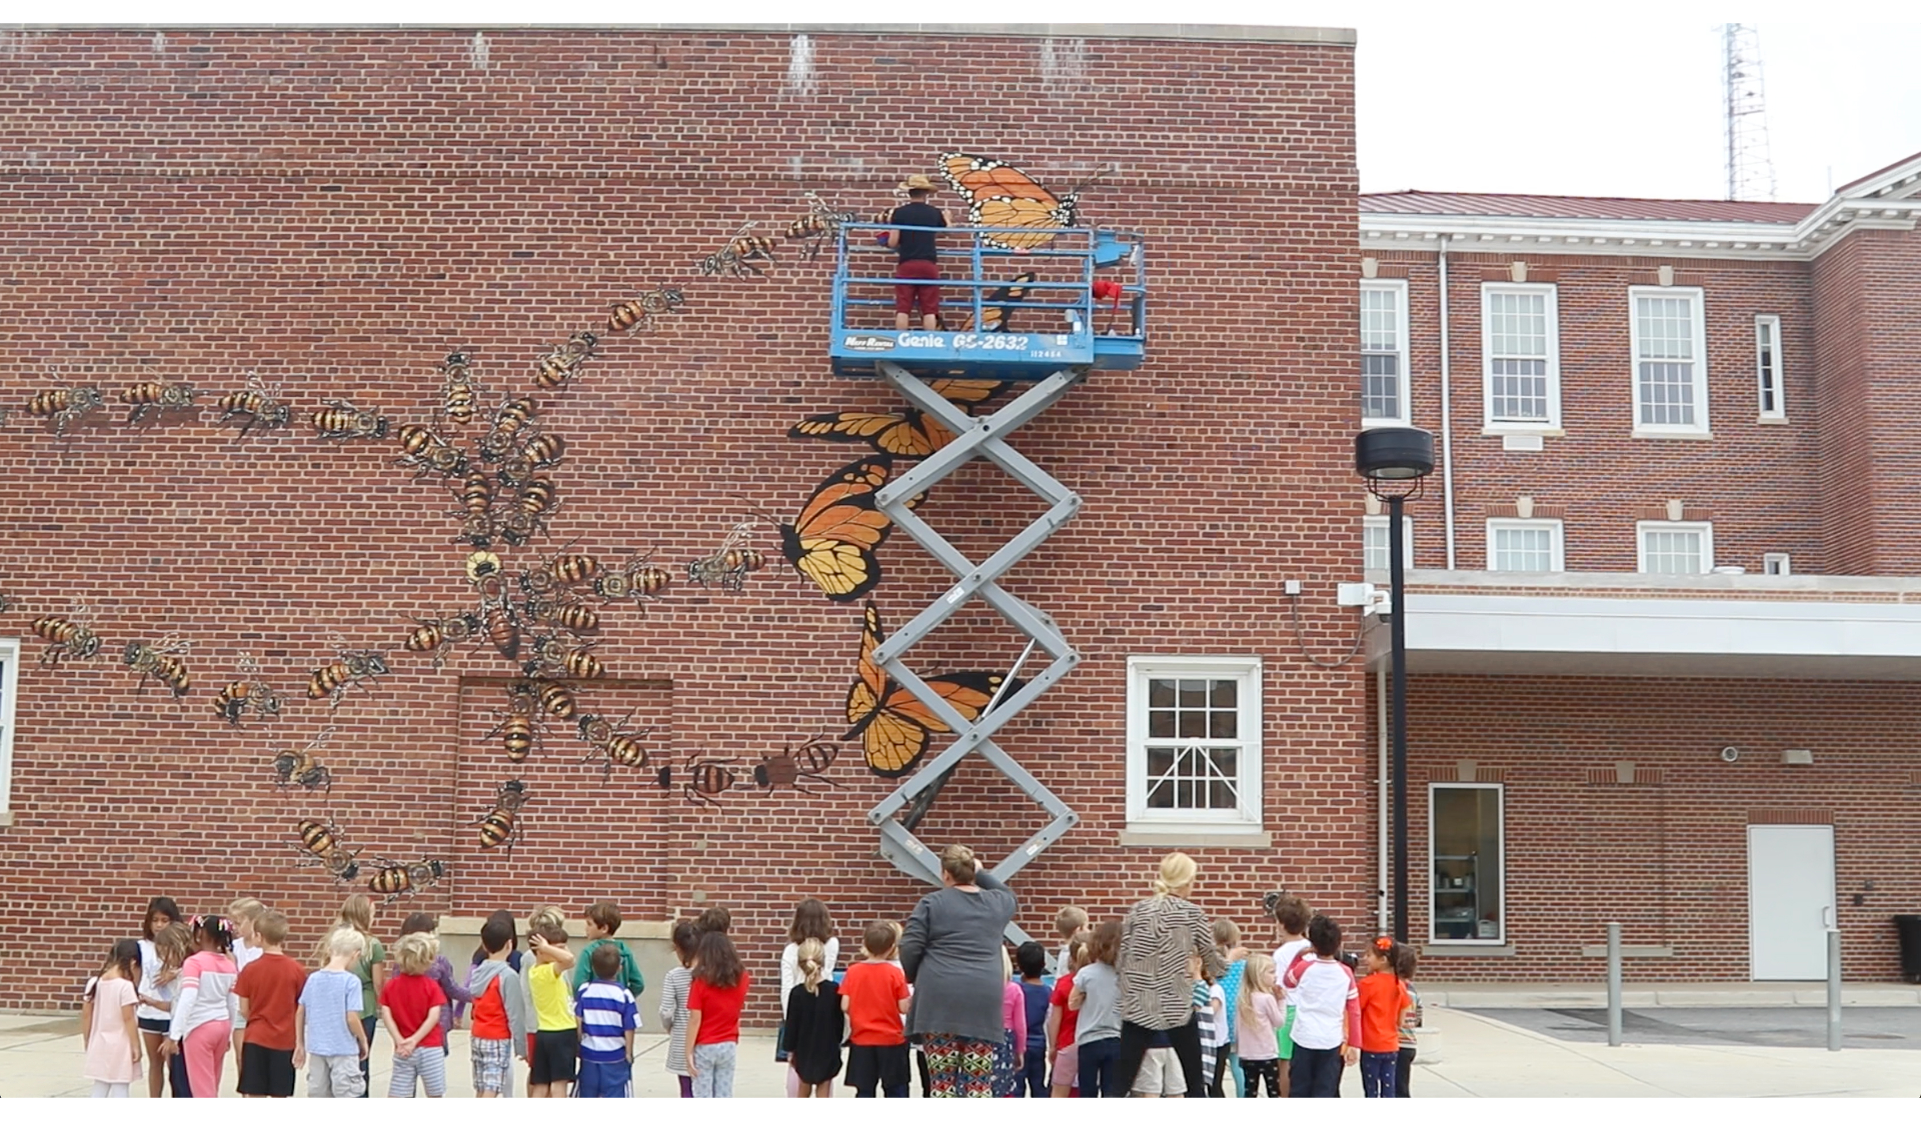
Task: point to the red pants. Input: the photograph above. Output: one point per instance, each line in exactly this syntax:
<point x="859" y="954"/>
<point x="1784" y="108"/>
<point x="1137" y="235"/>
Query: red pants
<point x="924" y="296"/>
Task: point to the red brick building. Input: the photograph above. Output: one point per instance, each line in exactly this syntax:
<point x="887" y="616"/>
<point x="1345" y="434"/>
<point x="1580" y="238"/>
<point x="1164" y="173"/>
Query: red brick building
<point x="1661" y="623"/>
<point x="335" y="211"/>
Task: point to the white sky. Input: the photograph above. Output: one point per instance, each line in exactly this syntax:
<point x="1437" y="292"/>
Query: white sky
<point x="1630" y="107"/>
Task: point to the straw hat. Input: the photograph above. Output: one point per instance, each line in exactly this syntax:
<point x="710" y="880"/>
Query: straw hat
<point x="918" y="183"/>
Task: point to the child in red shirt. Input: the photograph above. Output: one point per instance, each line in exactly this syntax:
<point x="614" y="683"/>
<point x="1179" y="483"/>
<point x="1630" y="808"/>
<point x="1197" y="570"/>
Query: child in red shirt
<point x="1383" y="996"/>
<point x="874" y="995"/>
<point x="410" y="1007"/>
<point x="1062" y="1055"/>
<point x="713" y="1015"/>
<point x="269" y="994"/>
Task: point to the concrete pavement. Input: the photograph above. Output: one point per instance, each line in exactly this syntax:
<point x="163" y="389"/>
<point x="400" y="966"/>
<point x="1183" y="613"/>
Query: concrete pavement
<point x="1477" y="1057"/>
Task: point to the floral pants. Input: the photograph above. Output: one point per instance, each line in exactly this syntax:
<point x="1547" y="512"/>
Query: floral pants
<point x="958" y="1067"/>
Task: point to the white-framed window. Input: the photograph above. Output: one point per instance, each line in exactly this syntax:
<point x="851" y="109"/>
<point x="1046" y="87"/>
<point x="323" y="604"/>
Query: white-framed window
<point x="1669" y="341"/>
<point x="9" y="687"/>
<point x="1777" y="564"/>
<point x="1384" y="380"/>
<point x="1525" y="545"/>
<point x="1194" y="743"/>
<point x="1520" y="356"/>
<point x="1374" y="542"/>
<point x="1767" y="368"/>
<point x="1467" y="863"/>
<point x="1675" y="548"/>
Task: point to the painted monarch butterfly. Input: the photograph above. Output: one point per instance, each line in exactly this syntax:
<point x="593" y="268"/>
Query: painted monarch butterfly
<point x="998" y="318"/>
<point x="1000" y="194"/>
<point x="891" y="723"/>
<point x="905" y="433"/>
<point x="833" y="540"/>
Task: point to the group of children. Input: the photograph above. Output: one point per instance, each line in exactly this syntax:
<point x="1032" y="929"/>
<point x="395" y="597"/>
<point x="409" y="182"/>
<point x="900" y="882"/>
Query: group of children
<point x="195" y="988"/>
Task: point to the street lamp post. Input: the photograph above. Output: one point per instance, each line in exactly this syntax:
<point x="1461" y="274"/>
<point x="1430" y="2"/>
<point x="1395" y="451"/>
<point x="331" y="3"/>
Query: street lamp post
<point x="1395" y="461"/>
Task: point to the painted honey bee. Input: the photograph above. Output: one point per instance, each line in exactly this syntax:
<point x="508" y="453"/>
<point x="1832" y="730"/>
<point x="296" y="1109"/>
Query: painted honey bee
<point x="557" y="700"/>
<point x="68" y="638"/>
<point x="476" y="511"/>
<point x="256" y="405"/>
<point x="562" y="614"/>
<point x="156" y="660"/>
<point x="554" y="657"/>
<point x="353" y="668"/>
<point x="634" y="580"/>
<point x="728" y="566"/>
<point x="641" y="311"/>
<point x="705" y="779"/>
<point x="247" y="694"/>
<point x="497" y="825"/>
<point x="740" y="256"/>
<point x="528" y="512"/>
<point x="795" y="766"/>
<point x="503" y="629"/>
<point x="63" y="405"/>
<point x="457" y="390"/>
<point x="522" y="698"/>
<point x="323" y="842"/>
<point x="148" y="396"/>
<point x="622" y="748"/>
<point x="303" y="768"/>
<point x="481" y="565"/>
<point x="544" y="450"/>
<point x="820" y="226"/>
<point x="423" y="448"/>
<point x="562" y="364"/>
<point x="397" y="880"/>
<point x="516" y="731"/>
<point x="513" y="421"/>
<point x="567" y="570"/>
<point x="343" y="420"/>
<point x="440" y="635"/>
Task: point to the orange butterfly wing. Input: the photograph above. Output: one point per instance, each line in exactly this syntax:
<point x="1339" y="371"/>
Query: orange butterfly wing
<point x="908" y="434"/>
<point x="894" y="725"/>
<point x="833" y="540"/>
<point x="1000" y="194"/>
<point x="969" y="391"/>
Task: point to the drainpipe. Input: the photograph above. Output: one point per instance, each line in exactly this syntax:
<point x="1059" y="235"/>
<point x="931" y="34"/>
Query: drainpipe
<point x="1380" y="697"/>
<point x="1447" y="413"/>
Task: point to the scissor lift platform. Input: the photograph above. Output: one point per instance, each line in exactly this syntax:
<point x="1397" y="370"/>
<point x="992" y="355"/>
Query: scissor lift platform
<point x="994" y="325"/>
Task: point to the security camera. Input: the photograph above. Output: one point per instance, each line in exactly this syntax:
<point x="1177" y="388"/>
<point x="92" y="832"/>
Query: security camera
<point x="1730" y="754"/>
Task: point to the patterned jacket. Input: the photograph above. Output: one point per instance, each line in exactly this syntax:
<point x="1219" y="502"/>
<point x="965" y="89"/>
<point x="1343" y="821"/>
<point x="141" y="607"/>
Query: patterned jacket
<point x="1157" y="937"/>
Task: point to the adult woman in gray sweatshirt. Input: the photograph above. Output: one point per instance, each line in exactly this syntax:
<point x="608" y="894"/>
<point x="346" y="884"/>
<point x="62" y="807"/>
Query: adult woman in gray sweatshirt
<point x="952" y="950"/>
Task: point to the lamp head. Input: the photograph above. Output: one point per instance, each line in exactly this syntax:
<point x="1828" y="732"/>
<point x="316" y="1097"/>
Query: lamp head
<point x="1390" y="455"/>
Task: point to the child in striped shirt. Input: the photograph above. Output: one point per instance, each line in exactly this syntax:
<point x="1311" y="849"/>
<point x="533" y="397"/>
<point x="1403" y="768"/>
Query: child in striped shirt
<point x="608" y="1018"/>
<point x="673" y="1003"/>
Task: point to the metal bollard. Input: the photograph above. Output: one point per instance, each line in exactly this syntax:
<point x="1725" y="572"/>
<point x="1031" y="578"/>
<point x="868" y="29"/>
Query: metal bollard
<point x="1834" y="988"/>
<point x="1614" y="984"/>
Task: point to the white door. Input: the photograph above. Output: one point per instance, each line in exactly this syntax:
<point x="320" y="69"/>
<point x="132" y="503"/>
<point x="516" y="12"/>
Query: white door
<point x="1790" y="901"/>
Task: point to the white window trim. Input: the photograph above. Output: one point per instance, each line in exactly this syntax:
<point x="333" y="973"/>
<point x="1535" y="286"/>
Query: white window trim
<point x="1399" y="287"/>
<point x="1552" y="425"/>
<point x="1699" y="429"/>
<point x="1371" y="521"/>
<point x="1558" y="548"/>
<point x="1785" y="562"/>
<point x="1641" y="530"/>
<point x="1502" y="879"/>
<point x="1246" y="820"/>
<point x="1780" y="410"/>
<point x="9" y="691"/>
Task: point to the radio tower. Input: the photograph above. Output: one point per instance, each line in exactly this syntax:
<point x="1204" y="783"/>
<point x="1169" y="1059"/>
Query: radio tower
<point x="1750" y="167"/>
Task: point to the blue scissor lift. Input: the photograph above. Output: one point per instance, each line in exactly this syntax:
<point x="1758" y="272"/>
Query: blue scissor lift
<point x="1048" y="331"/>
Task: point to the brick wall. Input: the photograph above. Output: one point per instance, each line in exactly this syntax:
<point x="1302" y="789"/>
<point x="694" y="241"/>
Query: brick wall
<point x="338" y="210"/>
<point x="1666" y="854"/>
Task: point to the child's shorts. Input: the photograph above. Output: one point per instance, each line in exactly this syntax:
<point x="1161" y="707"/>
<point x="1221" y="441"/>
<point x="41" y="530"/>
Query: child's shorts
<point x="1284" y="1038"/>
<point x="1160" y="1075"/>
<point x="877" y="1067"/>
<point x="493" y="1065"/>
<point x="265" y="1073"/>
<point x="1067" y="1066"/>
<point x="605" y="1080"/>
<point x="556" y="1057"/>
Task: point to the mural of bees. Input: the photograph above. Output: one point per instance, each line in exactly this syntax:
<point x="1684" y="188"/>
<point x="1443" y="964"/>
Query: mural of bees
<point x="322" y="845"/>
<point x="156" y="660"/>
<point x="154" y="396"/>
<point x="354" y="667"/>
<point x="457" y="390"/>
<point x="343" y="420"/>
<point x="706" y="779"/>
<point x="429" y="453"/>
<point x="63" y="406"/>
<point x="247" y="693"/>
<point x="797" y="765"/>
<point x="255" y="407"/>
<point x="635" y="580"/>
<point x="67" y="637"/>
<point x="439" y="636"/>
<point x="820" y="226"/>
<point x="499" y="824"/>
<point x="514" y="421"/>
<point x="741" y="256"/>
<point x="640" y="313"/>
<point x="517" y="733"/>
<point x="562" y="364"/>
<point x="397" y="880"/>
<point x="302" y="768"/>
<point x="727" y="567"/>
<point x="615" y="746"/>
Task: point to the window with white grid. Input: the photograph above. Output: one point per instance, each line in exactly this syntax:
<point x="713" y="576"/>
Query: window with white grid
<point x="1374" y="542"/>
<point x="1384" y="383"/>
<point x="1524" y="545"/>
<point x="9" y="684"/>
<point x="1767" y="367"/>
<point x="1194" y="741"/>
<point x="1675" y="548"/>
<point x="1670" y="361"/>
<point x="1521" y="355"/>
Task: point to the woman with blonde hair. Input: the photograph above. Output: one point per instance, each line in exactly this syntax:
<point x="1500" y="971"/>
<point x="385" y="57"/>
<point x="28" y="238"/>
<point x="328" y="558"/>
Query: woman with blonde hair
<point x="953" y="955"/>
<point x="357" y="914"/>
<point x="1158" y="935"/>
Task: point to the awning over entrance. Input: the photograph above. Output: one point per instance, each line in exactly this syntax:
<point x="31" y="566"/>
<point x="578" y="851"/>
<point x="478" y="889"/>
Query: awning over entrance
<point x="1615" y="624"/>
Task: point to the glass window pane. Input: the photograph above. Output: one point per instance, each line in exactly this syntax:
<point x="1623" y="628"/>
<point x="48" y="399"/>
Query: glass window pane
<point x="1160" y="692"/>
<point x="1193" y="725"/>
<point x="1465" y="883"/>
<point x="1160" y="724"/>
<point x="1224" y="692"/>
<point x="1223" y="725"/>
<point x="1193" y="693"/>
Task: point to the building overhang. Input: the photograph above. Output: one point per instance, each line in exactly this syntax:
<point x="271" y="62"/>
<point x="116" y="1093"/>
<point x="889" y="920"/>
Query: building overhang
<point x="1619" y="625"/>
